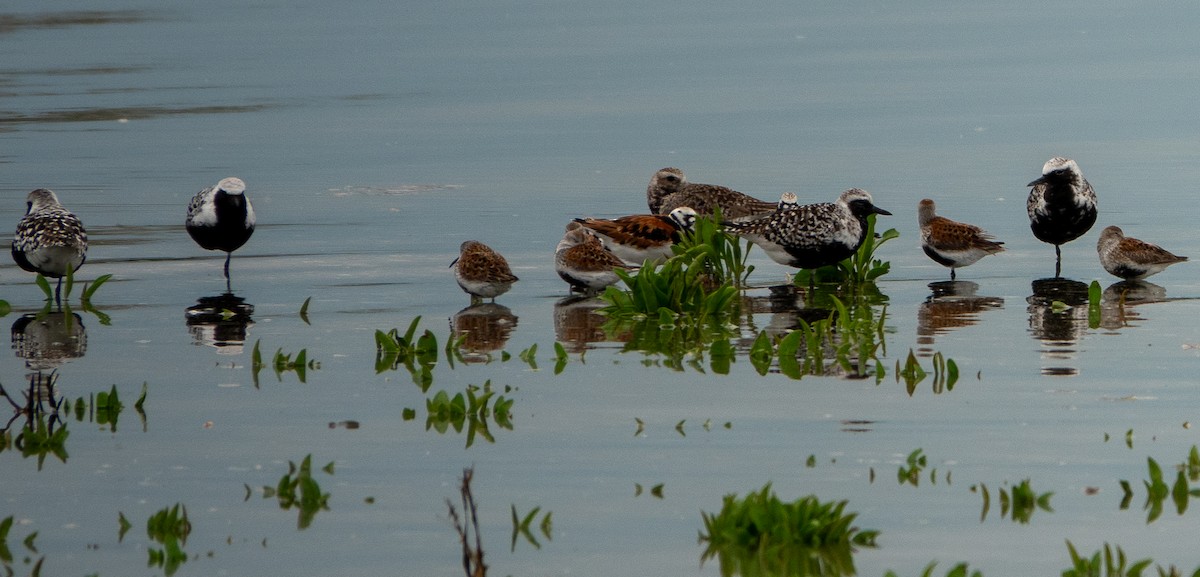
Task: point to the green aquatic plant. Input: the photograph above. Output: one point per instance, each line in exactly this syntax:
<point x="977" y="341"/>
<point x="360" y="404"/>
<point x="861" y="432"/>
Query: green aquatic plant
<point x="6" y="555"/>
<point x="679" y="287"/>
<point x="282" y="363"/>
<point x="304" y="310"/>
<point x="945" y="373"/>
<point x="848" y="340"/>
<point x="859" y="270"/>
<point x="521" y="527"/>
<point x="170" y="528"/>
<point x="675" y="344"/>
<point x="297" y="489"/>
<point x="725" y="257"/>
<point x="1112" y="564"/>
<point x="469" y="409"/>
<point x="1021" y="501"/>
<point x="1157" y="490"/>
<point x="762" y="535"/>
<point x="912" y="473"/>
<point x="417" y="354"/>
<point x="960" y="570"/>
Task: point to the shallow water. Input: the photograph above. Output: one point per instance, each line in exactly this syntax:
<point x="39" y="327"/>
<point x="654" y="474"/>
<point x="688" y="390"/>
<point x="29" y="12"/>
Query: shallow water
<point x="375" y="138"/>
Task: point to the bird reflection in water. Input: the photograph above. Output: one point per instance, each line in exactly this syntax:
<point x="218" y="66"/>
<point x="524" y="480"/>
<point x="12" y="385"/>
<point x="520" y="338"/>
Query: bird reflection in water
<point x="220" y="321"/>
<point x="951" y="305"/>
<point x="1058" y="327"/>
<point x="1118" y="300"/>
<point x="47" y="340"/>
<point x="787" y="309"/>
<point x="577" y="325"/>
<point x="482" y="328"/>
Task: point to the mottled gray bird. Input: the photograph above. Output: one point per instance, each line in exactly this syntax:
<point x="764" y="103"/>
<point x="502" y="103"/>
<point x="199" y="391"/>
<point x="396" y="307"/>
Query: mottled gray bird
<point x="669" y="190"/>
<point x="1061" y="205"/>
<point x="50" y="240"/>
<point x="812" y="235"/>
<point x="1130" y="258"/>
<point x="221" y="218"/>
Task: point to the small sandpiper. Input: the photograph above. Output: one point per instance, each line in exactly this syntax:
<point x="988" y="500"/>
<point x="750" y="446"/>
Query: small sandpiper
<point x="669" y="190"/>
<point x="1130" y="258"/>
<point x="1061" y="206"/>
<point x="812" y="235"/>
<point x="50" y="240"/>
<point x="642" y="238"/>
<point x="221" y="218"/>
<point x="581" y="260"/>
<point x="951" y="243"/>
<point x="481" y="271"/>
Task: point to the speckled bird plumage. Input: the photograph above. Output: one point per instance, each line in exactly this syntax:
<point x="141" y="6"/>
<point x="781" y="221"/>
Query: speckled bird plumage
<point x="221" y="218"/>
<point x="1130" y="258"/>
<point x="1061" y="205"/>
<point x="669" y="189"/>
<point x="950" y="243"/>
<point x="481" y="271"/>
<point x="581" y="260"/>
<point x="639" y="238"/>
<point x="811" y="235"/>
<point x="49" y="240"/>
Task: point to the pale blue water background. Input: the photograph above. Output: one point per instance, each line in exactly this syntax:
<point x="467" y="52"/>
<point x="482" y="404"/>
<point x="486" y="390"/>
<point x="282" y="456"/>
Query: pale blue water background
<point x="375" y="137"/>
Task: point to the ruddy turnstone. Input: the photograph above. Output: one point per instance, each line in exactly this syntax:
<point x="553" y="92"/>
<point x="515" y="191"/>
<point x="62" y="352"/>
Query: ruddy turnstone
<point x="1061" y="206"/>
<point x="669" y="189"/>
<point x="641" y="238"/>
<point x="50" y="240"/>
<point x="950" y="243"/>
<point x="221" y="218"/>
<point x="812" y="235"/>
<point x="581" y="260"/>
<point x="481" y="271"/>
<point x="1130" y="258"/>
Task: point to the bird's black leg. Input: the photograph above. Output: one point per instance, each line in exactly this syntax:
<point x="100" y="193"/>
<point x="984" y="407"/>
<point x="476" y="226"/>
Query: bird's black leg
<point x="1057" y="261"/>
<point x="58" y="293"/>
<point x="228" y="256"/>
<point x="951" y="274"/>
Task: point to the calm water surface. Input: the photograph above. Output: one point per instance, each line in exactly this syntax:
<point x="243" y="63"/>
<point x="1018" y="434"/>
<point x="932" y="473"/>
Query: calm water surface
<point x="376" y="137"/>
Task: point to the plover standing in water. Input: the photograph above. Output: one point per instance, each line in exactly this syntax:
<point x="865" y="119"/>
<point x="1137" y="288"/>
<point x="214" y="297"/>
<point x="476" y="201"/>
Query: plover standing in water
<point x="221" y="218"/>
<point x="812" y="235"/>
<point x="669" y="190"/>
<point x="950" y="243"/>
<point x="481" y="271"/>
<point x="1130" y="258"/>
<point x="50" y="240"/>
<point x="639" y="238"/>
<point x="1061" y="206"/>
<point x="581" y="260"/>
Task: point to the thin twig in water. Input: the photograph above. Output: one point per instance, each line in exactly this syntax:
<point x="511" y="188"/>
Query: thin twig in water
<point x="473" y="564"/>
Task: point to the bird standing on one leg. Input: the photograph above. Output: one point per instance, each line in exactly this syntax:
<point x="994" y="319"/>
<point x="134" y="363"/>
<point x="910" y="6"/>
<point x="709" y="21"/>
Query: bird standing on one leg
<point x="951" y="243"/>
<point x="1130" y="258"/>
<point x="221" y="218"/>
<point x="1061" y="205"/>
<point x="50" y="240"/>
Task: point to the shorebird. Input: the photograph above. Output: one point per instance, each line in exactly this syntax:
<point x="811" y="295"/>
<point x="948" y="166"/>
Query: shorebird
<point x="812" y="235"/>
<point x="641" y="238"/>
<point x="1130" y="258"/>
<point x="221" y="218"/>
<point x="1061" y="206"/>
<point x="50" y="240"/>
<point x="481" y="271"/>
<point x="951" y="243"/>
<point x="669" y="190"/>
<point x="581" y="260"/>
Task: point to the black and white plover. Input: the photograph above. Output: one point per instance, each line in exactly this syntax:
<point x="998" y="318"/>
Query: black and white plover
<point x="669" y="189"/>
<point x="581" y="260"/>
<point x="641" y="238"/>
<point x="1130" y="258"/>
<point x="950" y="243"/>
<point x="812" y="235"/>
<point x="50" y="240"/>
<point x="481" y="271"/>
<point x="1061" y="206"/>
<point x="221" y="218"/>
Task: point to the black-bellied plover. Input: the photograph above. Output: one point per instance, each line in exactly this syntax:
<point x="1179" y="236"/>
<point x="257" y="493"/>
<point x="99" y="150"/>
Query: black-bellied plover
<point x="1130" y="258"/>
<point x="641" y="238"/>
<point x="581" y="260"/>
<point x="50" y="240"/>
<point x="481" y="271"/>
<point x="669" y="190"/>
<point x="1061" y="206"/>
<point x="812" y="235"/>
<point x="950" y="243"/>
<point x="221" y="218"/>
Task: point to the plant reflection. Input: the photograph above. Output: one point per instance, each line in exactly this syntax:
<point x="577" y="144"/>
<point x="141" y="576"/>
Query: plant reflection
<point x="44" y="432"/>
<point x="1058" y="316"/>
<point x="950" y="305"/>
<point x="222" y="321"/>
<point x="481" y="329"/>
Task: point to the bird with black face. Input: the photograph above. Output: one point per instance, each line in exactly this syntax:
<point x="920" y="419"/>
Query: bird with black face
<point x="221" y="218"/>
<point x="1061" y="205"/>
